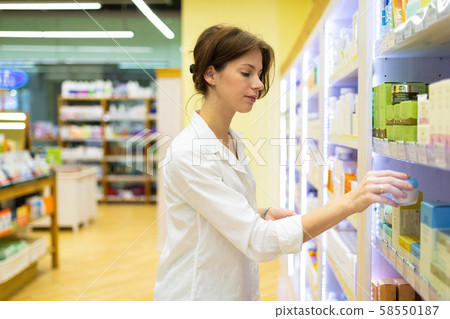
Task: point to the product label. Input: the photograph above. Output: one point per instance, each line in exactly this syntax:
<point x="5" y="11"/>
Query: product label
<point x="392" y="257"/>
<point x="421" y="153"/>
<point x="410" y="275"/>
<point x="411" y="151"/>
<point x="407" y="32"/>
<point x="398" y="37"/>
<point x="419" y="27"/>
<point x="439" y="153"/>
<point x="424" y="289"/>
<point x="401" y="150"/>
<point x="394" y="150"/>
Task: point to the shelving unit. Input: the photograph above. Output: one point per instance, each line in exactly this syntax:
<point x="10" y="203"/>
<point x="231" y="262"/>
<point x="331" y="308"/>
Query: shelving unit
<point x="14" y="191"/>
<point x="114" y="147"/>
<point x="406" y="55"/>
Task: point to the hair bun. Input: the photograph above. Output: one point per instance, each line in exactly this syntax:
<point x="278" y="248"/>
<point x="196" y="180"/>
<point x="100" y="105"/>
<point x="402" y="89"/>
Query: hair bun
<point x="191" y="68"/>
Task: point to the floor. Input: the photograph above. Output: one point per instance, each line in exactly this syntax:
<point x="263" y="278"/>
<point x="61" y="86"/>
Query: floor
<point x="114" y="258"/>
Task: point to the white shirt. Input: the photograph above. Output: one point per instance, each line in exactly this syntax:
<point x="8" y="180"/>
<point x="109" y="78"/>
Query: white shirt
<point x="215" y="236"/>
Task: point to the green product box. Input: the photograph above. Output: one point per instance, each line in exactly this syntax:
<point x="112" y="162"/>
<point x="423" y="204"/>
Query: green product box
<point x="382" y="117"/>
<point x="397" y="114"/>
<point x="382" y="93"/>
<point x="423" y="87"/>
<point x="54" y="156"/>
<point x="389" y="114"/>
<point x="390" y="132"/>
<point x="408" y="112"/>
<point x="398" y="132"/>
<point x="409" y="133"/>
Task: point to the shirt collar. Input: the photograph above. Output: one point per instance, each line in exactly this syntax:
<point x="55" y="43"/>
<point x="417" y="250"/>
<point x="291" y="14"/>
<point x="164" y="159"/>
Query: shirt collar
<point x="211" y="144"/>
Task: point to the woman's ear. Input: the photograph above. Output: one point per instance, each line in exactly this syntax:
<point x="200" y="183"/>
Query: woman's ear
<point x="210" y="75"/>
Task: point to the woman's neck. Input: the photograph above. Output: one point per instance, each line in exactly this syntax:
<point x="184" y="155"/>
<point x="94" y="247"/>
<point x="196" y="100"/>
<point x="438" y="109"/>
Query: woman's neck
<point x="218" y="118"/>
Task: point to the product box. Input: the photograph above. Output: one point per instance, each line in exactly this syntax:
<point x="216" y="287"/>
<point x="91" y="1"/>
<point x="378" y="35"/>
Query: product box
<point x="440" y="280"/>
<point x="415" y="255"/>
<point x="408" y="112"/>
<point x="404" y="291"/>
<point x="375" y="290"/>
<point x="405" y="221"/>
<point x="387" y="233"/>
<point x="442" y="252"/>
<point x="387" y="290"/>
<point x="409" y="133"/>
<point x="435" y="217"/>
<point x="5" y="221"/>
<point x="405" y="241"/>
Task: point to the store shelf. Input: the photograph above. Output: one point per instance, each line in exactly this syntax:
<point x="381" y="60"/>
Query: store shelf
<point x="131" y="119"/>
<point x="127" y="178"/>
<point x="98" y="98"/>
<point x="353" y="219"/>
<point x="90" y="120"/>
<point x="346" y="75"/>
<point x="113" y="198"/>
<point x="344" y="140"/>
<point x="313" y="92"/>
<point x="44" y="139"/>
<point x="124" y="98"/>
<point x="314" y="182"/>
<point x="341" y="280"/>
<point x="83" y="159"/>
<point x="85" y="140"/>
<point x="413" y="152"/>
<point x="123" y="158"/>
<point x="312" y="277"/>
<point x="419" y="37"/>
<point x="407" y="271"/>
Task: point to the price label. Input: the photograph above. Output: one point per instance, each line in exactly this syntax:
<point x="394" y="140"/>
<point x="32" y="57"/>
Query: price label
<point x="411" y="150"/>
<point x="379" y="245"/>
<point x="439" y="154"/>
<point x="401" y="150"/>
<point x="424" y="289"/>
<point x="398" y="37"/>
<point x="385" y="249"/>
<point x="431" y="17"/>
<point x="393" y="148"/>
<point x="419" y="27"/>
<point x="400" y="265"/>
<point x="407" y="31"/>
<point x="421" y="153"/>
<point x="392" y="257"/>
<point x="410" y="274"/>
<point x="386" y="148"/>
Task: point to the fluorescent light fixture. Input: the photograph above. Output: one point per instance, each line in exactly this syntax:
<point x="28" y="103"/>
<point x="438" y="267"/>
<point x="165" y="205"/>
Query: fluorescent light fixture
<point x="12" y="126"/>
<point x="12" y="116"/>
<point x="67" y="34"/>
<point x="51" y="6"/>
<point x="157" y="22"/>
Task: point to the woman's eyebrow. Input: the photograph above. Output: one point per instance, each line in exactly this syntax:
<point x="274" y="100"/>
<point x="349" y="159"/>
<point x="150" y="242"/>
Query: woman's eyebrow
<point x="251" y="66"/>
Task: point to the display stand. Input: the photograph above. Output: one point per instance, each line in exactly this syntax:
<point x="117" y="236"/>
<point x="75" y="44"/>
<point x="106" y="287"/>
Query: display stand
<point x="23" y="189"/>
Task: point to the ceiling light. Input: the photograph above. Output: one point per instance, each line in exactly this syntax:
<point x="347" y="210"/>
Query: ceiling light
<point x="154" y="19"/>
<point x="12" y="116"/>
<point x="51" y="6"/>
<point x="12" y="126"/>
<point x="67" y="34"/>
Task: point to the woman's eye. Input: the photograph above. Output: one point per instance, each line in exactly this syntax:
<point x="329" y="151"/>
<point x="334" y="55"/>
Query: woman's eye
<point x="245" y="74"/>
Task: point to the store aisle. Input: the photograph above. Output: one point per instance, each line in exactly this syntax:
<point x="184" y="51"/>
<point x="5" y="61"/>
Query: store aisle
<point x="87" y="254"/>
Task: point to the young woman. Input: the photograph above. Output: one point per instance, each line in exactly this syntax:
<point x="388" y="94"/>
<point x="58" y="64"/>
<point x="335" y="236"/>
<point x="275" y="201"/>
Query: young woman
<point x="216" y="233"/>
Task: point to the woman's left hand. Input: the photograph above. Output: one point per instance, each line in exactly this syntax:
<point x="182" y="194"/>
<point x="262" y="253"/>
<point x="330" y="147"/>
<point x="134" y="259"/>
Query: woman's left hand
<point x="275" y="213"/>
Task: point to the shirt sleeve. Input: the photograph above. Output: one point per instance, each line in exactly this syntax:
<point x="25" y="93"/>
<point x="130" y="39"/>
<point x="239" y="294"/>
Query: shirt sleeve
<point x="202" y="188"/>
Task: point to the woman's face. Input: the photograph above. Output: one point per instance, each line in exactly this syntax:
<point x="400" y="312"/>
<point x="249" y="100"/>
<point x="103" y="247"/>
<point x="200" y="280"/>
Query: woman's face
<point x="238" y="85"/>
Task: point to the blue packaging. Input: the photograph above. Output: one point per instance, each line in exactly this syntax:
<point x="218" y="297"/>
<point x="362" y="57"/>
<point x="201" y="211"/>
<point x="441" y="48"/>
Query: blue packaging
<point x="435" y="214"/>
<point x="415" y="250"/>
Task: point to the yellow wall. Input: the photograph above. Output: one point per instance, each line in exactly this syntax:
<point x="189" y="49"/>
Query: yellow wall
<point x="260" y="17"/>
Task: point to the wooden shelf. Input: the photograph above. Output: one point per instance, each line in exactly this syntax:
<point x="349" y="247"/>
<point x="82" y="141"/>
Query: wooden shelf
<point x="128" y="178"/>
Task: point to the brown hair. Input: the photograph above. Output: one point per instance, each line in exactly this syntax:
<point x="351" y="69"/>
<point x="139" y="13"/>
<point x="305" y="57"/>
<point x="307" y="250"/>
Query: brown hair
<point x="221" y="44"/>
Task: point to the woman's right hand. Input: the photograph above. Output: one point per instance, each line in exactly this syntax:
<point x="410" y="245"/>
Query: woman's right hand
<point x="376" y="183"/>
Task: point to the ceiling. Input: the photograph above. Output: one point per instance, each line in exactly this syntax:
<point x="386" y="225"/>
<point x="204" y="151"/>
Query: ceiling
<point x="158" y="5"/>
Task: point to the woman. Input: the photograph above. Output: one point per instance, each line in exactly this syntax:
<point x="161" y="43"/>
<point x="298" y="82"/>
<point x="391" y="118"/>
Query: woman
<point x="216" y="233"/>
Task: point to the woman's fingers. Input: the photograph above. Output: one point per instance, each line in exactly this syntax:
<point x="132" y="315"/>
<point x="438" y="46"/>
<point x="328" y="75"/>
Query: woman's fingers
<point x="387" y="173"/>
<point x="388" y="188"/>
<point x="399" y="183"/>
<point x="387" y="201"/>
